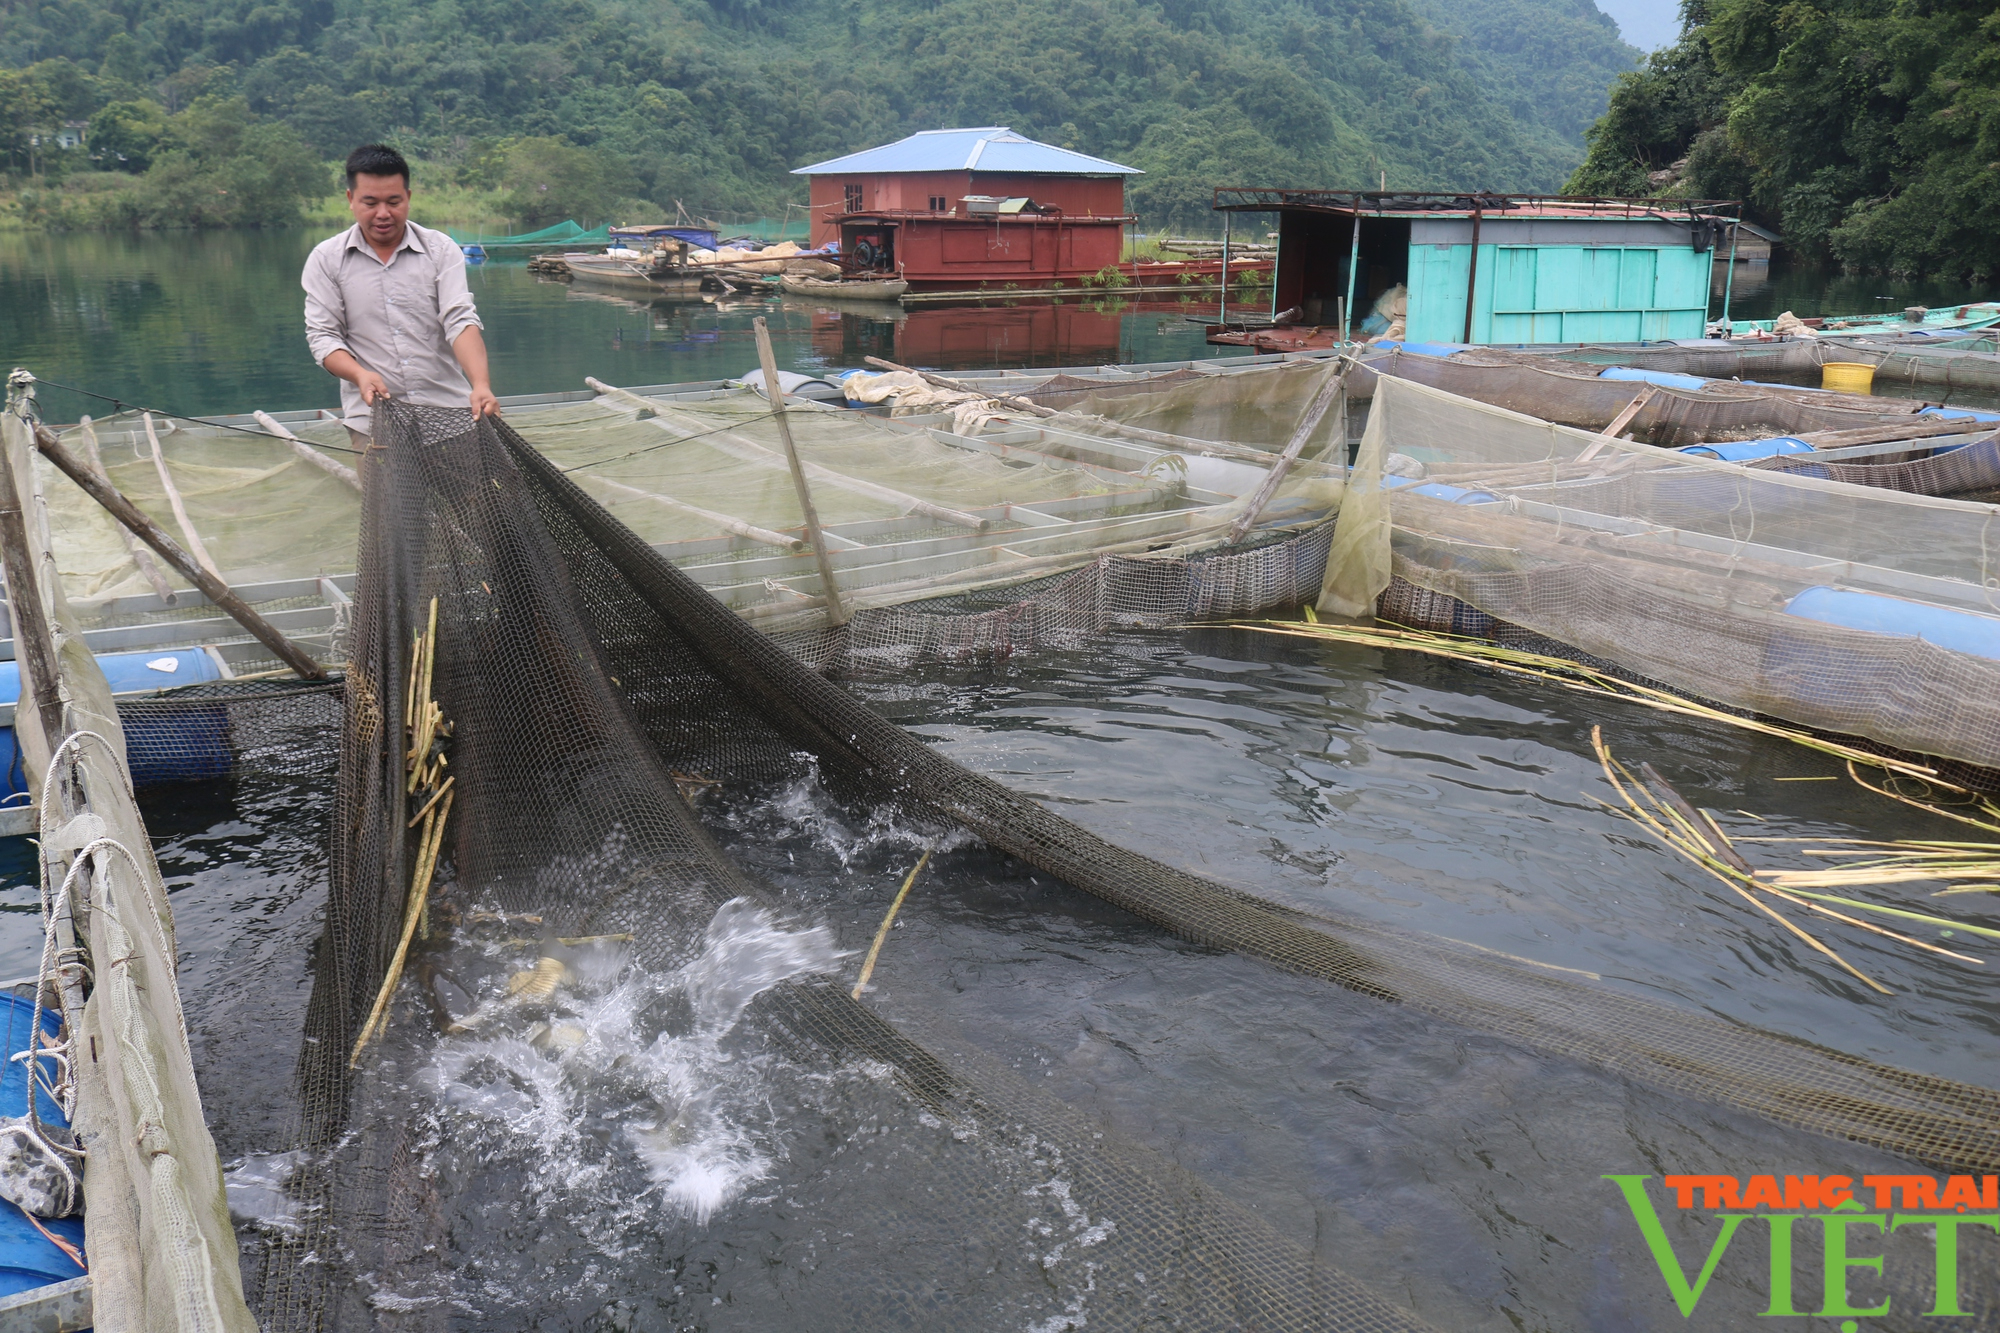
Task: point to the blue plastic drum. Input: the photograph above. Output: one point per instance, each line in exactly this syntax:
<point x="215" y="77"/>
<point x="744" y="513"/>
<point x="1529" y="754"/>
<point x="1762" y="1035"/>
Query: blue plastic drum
<point x="189" y="743"/>
<point x="28" y="1259"/>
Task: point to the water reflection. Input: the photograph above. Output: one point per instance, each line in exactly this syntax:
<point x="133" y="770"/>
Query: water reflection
<point x="212" y="322"/>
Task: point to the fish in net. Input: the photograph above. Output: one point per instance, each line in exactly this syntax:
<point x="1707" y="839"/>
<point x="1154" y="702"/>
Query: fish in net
<point x="589" y="683"/>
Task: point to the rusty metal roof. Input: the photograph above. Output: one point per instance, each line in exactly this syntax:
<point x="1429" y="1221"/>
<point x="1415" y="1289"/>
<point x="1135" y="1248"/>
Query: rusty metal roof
<point x="1399" y="203"/>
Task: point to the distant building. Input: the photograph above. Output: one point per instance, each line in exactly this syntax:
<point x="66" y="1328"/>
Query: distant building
<point x="971" y="208"/>
<point x="69" y="134"/>
<point x="1492" y="268"/>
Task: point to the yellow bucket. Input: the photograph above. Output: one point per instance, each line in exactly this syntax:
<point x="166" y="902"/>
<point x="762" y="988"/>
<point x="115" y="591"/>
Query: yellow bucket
<point x="1847" y="377"/>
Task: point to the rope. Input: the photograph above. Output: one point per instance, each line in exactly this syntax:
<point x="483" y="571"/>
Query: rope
<point x="121" y="405"/>
<point x="683" y="439"/>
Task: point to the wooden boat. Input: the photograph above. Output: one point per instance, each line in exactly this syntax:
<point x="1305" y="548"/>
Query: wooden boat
<point x="850" y="289"/>
<point x="632" y="274"/>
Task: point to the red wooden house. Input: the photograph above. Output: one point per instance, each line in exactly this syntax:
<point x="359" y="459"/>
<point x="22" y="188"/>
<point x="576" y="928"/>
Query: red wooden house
<point x="972" y="208"/>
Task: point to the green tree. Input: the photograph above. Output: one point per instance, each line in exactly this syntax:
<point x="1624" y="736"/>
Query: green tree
<point x="1868" y="131"/>
<point x="548" y="179"/>
<point x="221" y="166"/>
<point x="125" y="135"/>
<point x="713" y="103"/>
<point x="28" y="110"/>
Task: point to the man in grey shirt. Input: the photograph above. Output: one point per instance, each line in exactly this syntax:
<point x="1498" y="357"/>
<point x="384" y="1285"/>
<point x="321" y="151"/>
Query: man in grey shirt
<point x="387" y="308"/>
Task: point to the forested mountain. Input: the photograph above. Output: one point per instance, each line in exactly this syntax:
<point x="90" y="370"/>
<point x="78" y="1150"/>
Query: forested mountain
<point x="711" y="102"/>
<point x="1868" y="131"/>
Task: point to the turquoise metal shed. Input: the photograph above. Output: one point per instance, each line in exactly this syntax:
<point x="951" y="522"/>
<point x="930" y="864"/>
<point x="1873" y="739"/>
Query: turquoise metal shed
<point x="1493" y="268"/>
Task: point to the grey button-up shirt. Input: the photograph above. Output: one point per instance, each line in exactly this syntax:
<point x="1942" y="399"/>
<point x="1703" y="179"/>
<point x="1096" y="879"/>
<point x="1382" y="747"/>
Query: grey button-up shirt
<point x="398" y="319"/>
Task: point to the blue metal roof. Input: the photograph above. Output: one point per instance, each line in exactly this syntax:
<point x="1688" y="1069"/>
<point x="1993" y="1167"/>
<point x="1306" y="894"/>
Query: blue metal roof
<point x="992" y="148"/>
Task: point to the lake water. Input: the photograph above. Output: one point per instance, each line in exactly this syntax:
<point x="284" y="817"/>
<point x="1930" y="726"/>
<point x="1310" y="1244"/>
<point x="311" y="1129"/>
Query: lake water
<point x="1457" y="1175"/>
<point x="211" y="322"/>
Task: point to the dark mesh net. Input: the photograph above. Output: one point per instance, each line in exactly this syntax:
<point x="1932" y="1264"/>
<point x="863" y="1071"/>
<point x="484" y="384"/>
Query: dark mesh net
<point x="1962" y="471"/>
<point x="577" y="716"/>
<point x="590" y="683"/>
<point x="222" y="728"/>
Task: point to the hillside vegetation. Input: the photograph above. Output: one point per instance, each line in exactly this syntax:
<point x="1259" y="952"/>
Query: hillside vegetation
<point x="1868" y="131"/>
<point x="712" y="102"/>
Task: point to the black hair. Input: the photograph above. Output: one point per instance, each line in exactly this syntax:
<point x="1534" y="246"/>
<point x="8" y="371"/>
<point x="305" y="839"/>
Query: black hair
<point x="377" y="159"/>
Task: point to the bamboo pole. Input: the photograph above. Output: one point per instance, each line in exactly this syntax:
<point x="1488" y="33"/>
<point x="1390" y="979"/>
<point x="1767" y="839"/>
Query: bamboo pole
<point x="875" y="949"/>
<point x="154" y="536"/>
<point x="429" y="844"/>
<point x="194" y="543"/>
<point x="836" y="614"/>
<point x="1309" y="420"/>
<point x="141" y="558"/>
<point x="307" y="452"/>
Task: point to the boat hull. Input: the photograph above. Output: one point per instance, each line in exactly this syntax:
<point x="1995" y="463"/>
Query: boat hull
<point x="834" y="289"/>
<point x="632" y="277"/>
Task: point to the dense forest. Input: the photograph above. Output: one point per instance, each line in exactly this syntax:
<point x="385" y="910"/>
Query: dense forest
<point x="228" y="110"/>
<point x="1867" y="131"/>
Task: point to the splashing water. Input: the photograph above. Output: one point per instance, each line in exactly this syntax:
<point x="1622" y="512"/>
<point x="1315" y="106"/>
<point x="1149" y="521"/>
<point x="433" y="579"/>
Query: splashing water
<point x="623" y="1072"/>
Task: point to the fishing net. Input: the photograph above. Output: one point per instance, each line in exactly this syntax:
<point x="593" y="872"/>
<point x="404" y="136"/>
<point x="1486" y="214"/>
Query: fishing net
<point x="1960" y="471"/>
<point x="1795" y="356"/>
<point x="1258" y="406"/>
<point x="222" y="729"/>
<point x="1571" y="395"/>
<point x="914" y="509"/>
<point x="1685" y="570"/>
<point x="157" y="1225"/>
<point x="1958" y="364"/>
<point x="594" y="690"/>
<point x="575" y="725"/>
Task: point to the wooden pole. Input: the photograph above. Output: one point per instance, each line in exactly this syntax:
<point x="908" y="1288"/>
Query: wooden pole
<point x="1472" y="275"/>
<point x="306" y="452"/>
<point x="1222" y="301"/>
<point x="836" y="614"/>
<point x="1308" y="423"/>
<point x="1618" y="423"/>
<point x="1729" y="278"/>
<point x="141" y="558"/>
<point x="154" y="536"/>
<point x="728" y="524"/>
<point x="34" y="644"/>
<point x="174" y="499"/>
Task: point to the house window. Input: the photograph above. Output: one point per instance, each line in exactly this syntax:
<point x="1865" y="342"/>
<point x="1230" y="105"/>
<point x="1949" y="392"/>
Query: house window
<point x="853" y="193"/>
<point x="937" y="203"/>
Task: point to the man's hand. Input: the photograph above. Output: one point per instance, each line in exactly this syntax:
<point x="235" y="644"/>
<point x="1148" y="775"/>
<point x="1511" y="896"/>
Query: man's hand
<point x="470" y="349"/>
<point x="343" y="364"/>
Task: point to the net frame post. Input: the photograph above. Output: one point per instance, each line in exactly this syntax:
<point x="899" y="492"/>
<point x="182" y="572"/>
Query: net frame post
<point x="836" y="613"/>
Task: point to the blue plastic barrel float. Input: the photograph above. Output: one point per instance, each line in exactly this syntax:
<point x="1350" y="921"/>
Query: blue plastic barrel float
<point x="1739" y="451"/>
<point x="190" y="742"/>
<point x="1659" y="379"/>
<point x="29" y="1259"/>
<point x="1961" y="631"/>
<point x="1901" y="698"/>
